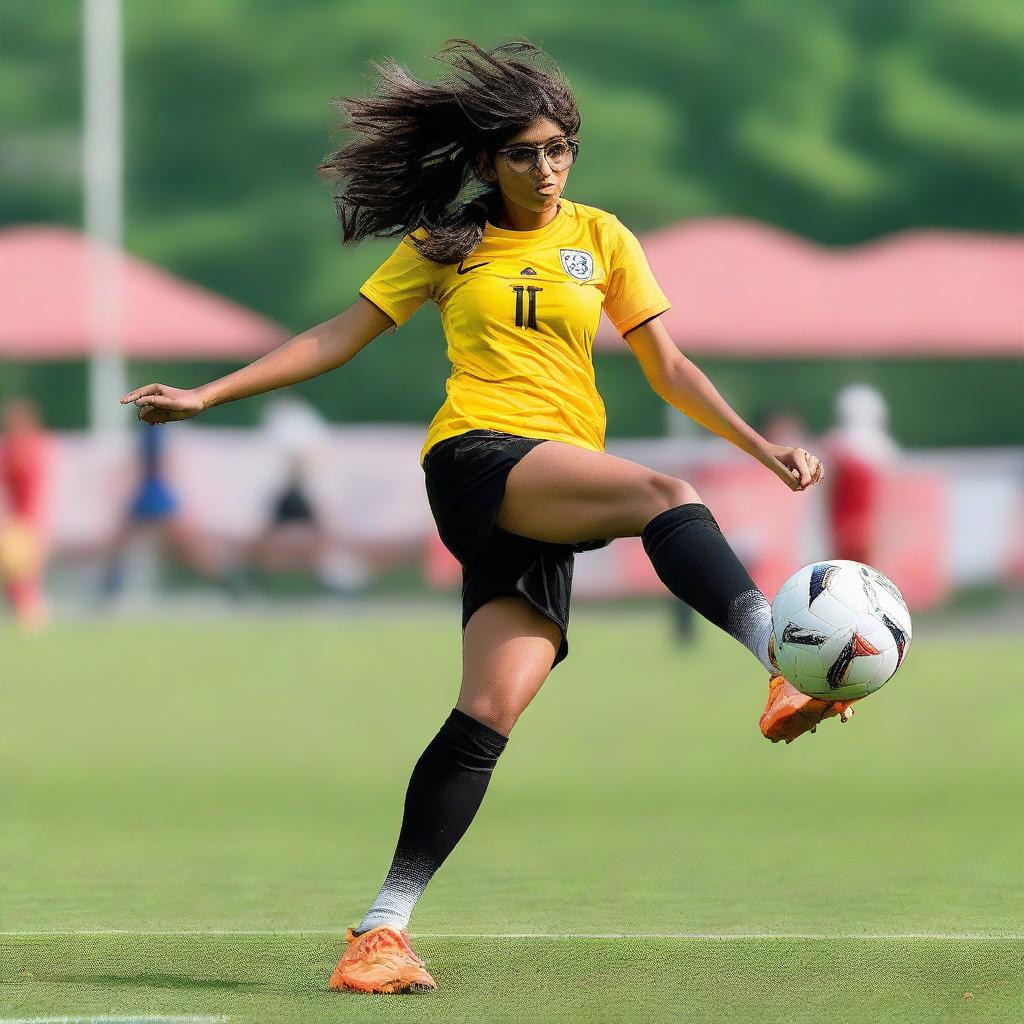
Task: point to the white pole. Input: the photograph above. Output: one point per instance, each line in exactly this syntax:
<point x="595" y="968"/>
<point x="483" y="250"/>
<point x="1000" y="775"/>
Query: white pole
<point x="102" y="164"/>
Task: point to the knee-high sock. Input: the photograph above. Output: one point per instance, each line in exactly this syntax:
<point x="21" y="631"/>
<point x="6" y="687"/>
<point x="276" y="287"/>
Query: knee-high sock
<point x="446" y="788"/>
<point x="695" y="562"/>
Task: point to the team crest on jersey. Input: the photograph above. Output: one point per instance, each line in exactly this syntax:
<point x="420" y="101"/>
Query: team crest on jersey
<point x="577" y="263"/>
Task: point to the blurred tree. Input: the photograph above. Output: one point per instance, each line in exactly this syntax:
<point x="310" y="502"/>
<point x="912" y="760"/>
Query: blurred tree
<point x="840" y="122"/>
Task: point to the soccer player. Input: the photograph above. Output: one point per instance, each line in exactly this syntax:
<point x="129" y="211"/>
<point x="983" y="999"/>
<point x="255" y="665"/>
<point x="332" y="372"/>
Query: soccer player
<point x="471" y="172"/>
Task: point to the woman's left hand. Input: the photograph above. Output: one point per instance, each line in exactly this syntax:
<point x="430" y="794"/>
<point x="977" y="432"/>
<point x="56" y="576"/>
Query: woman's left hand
<point x="798" y="467"/>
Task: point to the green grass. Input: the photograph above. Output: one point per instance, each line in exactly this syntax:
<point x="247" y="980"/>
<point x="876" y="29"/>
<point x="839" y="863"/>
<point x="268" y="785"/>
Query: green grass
<point x="282" y="979"/>
<point x="248" y="776"/>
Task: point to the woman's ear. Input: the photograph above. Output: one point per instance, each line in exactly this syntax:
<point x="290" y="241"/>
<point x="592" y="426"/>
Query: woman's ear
<point x="484" y="168"/>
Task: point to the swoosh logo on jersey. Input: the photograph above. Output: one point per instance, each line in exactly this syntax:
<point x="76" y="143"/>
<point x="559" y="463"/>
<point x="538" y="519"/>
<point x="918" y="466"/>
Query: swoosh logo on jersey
<point x="465" y="270"/>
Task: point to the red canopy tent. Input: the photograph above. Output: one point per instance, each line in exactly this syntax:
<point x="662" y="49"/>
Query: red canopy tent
<point x="738" y="288"/>
<point x="44" y="306"/>
<point x="743" y="289"/>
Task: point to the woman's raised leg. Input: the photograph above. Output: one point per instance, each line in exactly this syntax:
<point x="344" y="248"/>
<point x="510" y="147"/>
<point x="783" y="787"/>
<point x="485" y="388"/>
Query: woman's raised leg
<point x="563" y="493"/>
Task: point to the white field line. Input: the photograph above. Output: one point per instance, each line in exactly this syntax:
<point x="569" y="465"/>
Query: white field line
<point x="710" y="936"/>
<point x="113" y="1020"/>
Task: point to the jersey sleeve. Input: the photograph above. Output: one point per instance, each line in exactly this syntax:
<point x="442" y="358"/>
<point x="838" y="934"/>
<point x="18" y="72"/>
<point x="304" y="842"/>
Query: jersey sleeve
<point x="633" y="295"/>
<point x="402" y="283"/>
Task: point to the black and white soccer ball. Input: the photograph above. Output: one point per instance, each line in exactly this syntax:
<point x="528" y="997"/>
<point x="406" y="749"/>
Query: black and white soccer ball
<point x="842" y="629"/>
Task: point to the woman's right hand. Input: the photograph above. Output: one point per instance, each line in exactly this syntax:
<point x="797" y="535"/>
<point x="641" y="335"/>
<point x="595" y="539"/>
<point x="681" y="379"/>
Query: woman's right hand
<point x="159" y="403"/>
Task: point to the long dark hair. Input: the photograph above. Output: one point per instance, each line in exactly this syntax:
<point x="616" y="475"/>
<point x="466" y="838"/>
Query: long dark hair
<point x="410" y="161"/>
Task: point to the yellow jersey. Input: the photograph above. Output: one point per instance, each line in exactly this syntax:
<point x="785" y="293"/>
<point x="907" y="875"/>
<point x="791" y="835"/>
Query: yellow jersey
<point x="520" y="315"/>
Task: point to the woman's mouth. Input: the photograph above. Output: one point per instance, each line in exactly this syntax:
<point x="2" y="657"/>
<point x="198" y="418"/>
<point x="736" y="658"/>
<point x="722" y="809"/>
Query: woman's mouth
<point x="546" y="189"/>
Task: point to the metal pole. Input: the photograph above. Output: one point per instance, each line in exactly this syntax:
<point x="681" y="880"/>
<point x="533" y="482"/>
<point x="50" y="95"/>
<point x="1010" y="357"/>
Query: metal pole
<point x="102" y="162"/>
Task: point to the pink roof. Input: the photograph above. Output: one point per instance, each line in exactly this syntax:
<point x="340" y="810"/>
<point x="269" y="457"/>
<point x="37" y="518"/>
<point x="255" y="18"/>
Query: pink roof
<point x="739" y="288"/>
<point x="44" y="305"/>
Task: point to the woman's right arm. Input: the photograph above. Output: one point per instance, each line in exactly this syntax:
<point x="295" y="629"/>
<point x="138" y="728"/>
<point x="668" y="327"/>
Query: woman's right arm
<point x="321" y="348"/>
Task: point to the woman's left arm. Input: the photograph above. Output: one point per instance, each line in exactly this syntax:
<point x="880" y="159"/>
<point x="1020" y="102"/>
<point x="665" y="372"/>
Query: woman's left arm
<point x="675" y="379"/>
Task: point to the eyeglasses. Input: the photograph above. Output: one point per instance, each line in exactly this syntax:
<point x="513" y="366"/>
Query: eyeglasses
<point x="560" y="154"/>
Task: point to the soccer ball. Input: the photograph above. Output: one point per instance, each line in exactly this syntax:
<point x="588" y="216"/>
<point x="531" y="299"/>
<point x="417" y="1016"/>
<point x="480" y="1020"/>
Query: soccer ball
<point x="842" y="629"/>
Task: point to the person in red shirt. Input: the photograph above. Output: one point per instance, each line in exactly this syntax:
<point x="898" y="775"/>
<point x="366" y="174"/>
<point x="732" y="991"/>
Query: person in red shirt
<point x="859" y="448"/>
<point x="25" y="456"/>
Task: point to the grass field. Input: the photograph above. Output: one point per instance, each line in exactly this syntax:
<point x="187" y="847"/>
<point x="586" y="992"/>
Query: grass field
<point x="193" y="812"/>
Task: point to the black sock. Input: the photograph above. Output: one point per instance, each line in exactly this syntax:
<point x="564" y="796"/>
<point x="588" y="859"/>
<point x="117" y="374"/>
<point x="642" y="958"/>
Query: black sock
<point x="693" y="559"/>
<point x="445" y="791"/>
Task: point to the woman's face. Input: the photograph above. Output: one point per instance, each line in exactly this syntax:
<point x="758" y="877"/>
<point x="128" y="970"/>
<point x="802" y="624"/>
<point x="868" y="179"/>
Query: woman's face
<point x="536" y="190"/>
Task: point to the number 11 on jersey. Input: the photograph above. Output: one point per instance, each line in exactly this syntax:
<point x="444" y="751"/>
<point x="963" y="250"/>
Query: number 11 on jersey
<point x="531" y="302"/>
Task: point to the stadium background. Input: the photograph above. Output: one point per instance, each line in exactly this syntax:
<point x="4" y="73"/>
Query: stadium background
<point x="183" y="760"/>
<point x="840" y="123"/>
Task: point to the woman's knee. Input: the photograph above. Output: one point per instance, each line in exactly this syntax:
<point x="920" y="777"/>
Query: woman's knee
<point x="497" y="716"/>
<point x="500" y="707"/>
<point x="665" y="492"/>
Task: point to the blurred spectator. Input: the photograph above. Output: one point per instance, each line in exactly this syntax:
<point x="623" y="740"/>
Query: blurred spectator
<point x="295" y="536"/>
<point x="785" y="426"/>
<point x="25" y="460"/>
<point x="857" y="453"/>
<point x="154" y="515"/>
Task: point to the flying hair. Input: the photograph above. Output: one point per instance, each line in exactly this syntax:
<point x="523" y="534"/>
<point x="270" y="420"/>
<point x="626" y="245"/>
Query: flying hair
<point x="410" y="157"/>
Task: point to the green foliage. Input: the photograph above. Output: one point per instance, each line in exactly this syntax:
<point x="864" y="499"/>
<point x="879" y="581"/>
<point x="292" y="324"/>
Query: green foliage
<point x="932" y="402"/>
<point x="840" y="122"/>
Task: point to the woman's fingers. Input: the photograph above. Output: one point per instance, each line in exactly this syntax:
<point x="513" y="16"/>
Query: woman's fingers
<point x="159" y="402"/>
<point x="800" y="459"/>
<point x="802" y="469"/>
<point x="792" y="478"/>
<point x="149" y="389"/>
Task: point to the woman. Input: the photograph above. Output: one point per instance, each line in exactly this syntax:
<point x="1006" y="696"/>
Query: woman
<point x="514" y="461"/>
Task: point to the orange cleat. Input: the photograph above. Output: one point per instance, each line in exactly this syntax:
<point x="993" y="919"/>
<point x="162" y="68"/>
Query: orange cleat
<point x="381" y="960"/>
<point x="790" y="713"/>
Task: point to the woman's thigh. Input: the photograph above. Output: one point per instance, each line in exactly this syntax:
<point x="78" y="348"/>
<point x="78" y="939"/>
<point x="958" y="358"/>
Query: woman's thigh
<point x="508" y="648"/>
<point x="564" y="494"/>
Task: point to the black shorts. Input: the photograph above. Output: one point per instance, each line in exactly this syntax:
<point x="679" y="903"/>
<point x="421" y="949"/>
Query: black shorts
<point x="465" y="479"/>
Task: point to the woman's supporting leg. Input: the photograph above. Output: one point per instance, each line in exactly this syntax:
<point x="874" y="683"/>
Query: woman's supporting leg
<point x="508" y="648"/>
<point x="563" y="493"/>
